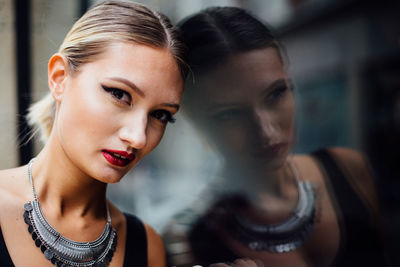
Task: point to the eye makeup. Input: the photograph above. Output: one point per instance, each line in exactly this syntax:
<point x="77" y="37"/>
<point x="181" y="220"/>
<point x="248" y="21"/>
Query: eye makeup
<point x="118" y="94"/>
<point x="277" y="93"/>
<point x="163" y="116"/>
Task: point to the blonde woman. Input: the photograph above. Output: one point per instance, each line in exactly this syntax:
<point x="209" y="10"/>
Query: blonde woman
<point x="114" y="85"/>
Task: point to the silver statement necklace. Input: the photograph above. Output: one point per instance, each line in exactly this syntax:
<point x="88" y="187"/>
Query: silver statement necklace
<point x="284" y="236"/>
<point x="62" y="251"/>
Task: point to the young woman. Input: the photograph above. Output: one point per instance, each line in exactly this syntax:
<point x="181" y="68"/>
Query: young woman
<point x="114" y="85"/>
<point x="270" y="207"/>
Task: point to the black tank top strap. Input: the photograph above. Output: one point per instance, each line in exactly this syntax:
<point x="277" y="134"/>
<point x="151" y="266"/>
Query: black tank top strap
<point x="5" y="258"/>
<point x="359" y="245"/>
<point x="136" y="242"/>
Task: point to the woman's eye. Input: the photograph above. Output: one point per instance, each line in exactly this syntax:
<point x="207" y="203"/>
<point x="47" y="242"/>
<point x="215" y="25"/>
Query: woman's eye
<point x="277" y="94"/>
<point x="163" y="116"/>
<point x="118" y="94"/>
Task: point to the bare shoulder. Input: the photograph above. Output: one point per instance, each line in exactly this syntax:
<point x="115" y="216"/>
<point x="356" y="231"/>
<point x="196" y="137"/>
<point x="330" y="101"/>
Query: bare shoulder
<point x="14" y="187"/>
<point x="155" y="247"/>
<point x="352" y="162"/>
<point x="349" y="156"/>
<point x="11" y="181"/>
<point x="355" y="166"/>
<point x="357" y="171"/>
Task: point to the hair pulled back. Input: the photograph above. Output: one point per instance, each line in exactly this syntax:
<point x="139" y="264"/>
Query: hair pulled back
<point x="214" y="34"/>
<point x="105" y="23"/>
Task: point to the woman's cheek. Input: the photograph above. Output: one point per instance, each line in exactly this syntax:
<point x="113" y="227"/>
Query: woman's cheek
<point x="86" y="110"/>
<point x="231" y="138"/>
<point x="154" y="134"/>
<point x="285" y="117"/>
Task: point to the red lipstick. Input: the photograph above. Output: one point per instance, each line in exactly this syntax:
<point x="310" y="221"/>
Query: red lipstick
<point x="118" y="157"/>
<point x="270" y="151"/>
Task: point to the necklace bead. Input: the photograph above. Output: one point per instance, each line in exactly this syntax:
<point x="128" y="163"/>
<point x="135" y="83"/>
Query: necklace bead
<point x="284" y="236"/>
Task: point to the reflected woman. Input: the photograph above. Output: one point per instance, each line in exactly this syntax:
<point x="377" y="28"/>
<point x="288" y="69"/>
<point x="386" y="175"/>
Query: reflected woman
<point x="269" y="207"/>
<point x="115" y="84"/>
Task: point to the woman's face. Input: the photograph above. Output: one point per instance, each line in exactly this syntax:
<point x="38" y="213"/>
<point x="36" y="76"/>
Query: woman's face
<point x="114" y="110"/>
<point x="245" y="107"/>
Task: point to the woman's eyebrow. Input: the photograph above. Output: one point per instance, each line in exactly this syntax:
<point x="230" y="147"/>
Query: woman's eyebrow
<point x="274" y="84"/>
<point x="221" y="106"/>
<point x="172" y="105"/>
<point x="130" y="84"/>
<point x="140" y="92"/>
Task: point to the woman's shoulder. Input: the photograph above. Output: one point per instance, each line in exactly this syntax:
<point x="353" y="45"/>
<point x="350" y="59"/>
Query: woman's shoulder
<point x="14" y="183"/>
<point x="351" y="156"/>
<point x="155" y="248"/>
<point x="352" y="162"/>
<point x="355" y="167"/>
<point x="14" y="187"/>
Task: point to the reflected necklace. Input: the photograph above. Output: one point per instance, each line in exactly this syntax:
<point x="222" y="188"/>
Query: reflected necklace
<point x="62" y="251"/>
<point x="284" y="236"/>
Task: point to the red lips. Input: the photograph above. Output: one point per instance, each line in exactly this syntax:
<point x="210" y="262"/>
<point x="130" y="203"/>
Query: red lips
<point x="117" y="157"/>
<point x="270" y="151"/>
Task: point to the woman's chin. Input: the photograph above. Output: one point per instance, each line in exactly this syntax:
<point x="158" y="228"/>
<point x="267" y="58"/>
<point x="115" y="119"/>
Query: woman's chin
<point x="109" y="180"/>
<point x="111" y="175"/>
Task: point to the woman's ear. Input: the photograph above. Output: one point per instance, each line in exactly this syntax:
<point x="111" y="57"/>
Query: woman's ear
<point x="57" y="72"/>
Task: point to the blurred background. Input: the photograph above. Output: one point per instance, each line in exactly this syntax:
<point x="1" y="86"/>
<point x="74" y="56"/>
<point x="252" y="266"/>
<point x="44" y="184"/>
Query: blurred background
<point x="344" y="58"/>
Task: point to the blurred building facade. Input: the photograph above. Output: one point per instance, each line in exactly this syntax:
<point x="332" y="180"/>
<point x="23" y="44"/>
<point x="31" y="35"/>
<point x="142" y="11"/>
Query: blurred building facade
<point x="8" y="99"/>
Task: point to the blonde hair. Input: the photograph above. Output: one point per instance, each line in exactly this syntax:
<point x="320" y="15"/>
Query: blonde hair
<point x="107" y="22"/>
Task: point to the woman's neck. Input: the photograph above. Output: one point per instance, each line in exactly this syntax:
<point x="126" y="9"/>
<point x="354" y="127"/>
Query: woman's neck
<point x="262" y="187"/>
<point x="65" y="189"/>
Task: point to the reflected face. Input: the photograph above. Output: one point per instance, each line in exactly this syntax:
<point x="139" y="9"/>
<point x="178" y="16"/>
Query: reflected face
<point x="114" y="110"/>
<point x="246" y="108"/>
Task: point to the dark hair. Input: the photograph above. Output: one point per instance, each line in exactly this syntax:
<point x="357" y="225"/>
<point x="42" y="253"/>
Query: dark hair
<point x="212" y="35"/>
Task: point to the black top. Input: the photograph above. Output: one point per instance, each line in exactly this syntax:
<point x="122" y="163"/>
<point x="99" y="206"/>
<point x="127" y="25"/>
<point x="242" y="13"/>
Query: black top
<point x="135" y="248"/>
<point x="359" y="241"/>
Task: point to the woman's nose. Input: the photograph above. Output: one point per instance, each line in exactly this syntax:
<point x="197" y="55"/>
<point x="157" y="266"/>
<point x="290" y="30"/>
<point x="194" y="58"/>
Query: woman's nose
<point x="264" y="126"/>
<point x="134" y="132"/>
